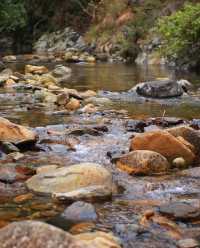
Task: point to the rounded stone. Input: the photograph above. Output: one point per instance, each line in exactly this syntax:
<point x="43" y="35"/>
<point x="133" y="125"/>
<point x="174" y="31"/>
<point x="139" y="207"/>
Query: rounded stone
<point x="80" y="181"/>
<point x="143" y="162"/>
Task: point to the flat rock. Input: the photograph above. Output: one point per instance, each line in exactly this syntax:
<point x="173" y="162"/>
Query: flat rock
<point x="16" y="134"/>
<point x="80" y="212"/>
<point x="143" y="162"/>
<point x="180" y="211"/>
<point x="33" y="234"/>
<point x="75" y="182"/>
<point x="164" y="143"/>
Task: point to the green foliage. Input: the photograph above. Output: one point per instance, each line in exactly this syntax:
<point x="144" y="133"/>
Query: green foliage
<point x="12" y="15"/>
<point x="181" y="33"/>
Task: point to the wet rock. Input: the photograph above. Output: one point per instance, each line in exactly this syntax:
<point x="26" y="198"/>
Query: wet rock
<point x="73" y="104"/>
<point x="46" y="168"/>
<point x="4" y="75"/>
<point x="180" y="211"/>
<point x="9" y="58"/>
<point x="8" y="147"/>
<point x="163" y="143"/>
<point x="88" y="93"/>
<point x="99" y="240"/>
<point x="166" y="121"/>
<point x="74" y="182"/>
<point x="195" y="123"/>
<point x="35" y="234"/>
<point x="45" y="96"/>
<point x="62" y="99"/>
<point x="33" y="69"/>
<point x="185" y="84"/>
<point x="143" y="163"/>
<point x="2" y="66"/>
<point x="80" y="212"/>
<point x="89" y="108"/>
<point x="189" y="134"/>
<point x="188" y="243"/>
<point x="61" y="73"/>
<point x="179" y="163"/>
<point x="23" y="198"/>
<point x="16" y="134"/>
<point x="9" y="83"/>
<point x="159" y="89"/>
<point x="135" y="126"/>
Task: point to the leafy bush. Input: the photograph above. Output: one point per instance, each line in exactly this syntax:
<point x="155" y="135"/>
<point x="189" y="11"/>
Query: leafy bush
<point x="12" y="15"/>
<point x="181" y="35"/>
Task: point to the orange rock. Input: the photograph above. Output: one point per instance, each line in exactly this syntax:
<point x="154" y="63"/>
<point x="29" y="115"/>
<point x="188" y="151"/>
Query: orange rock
<point x="23" y="198"/>
<point x="143" y="162"/>
<point x="163" y="143"/>
<point x="14" y="133"/>
<point x="73" y="104"/>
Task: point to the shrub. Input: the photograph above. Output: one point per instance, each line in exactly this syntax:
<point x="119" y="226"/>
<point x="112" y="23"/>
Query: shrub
<point x="181" y="35"/>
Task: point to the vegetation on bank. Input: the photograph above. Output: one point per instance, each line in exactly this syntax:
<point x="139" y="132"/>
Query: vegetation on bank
<point x="181" y="35"/>
<point x="123" y="24"/>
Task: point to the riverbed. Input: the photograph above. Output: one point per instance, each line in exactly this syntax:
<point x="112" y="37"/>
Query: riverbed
<point x="122" y="214"/>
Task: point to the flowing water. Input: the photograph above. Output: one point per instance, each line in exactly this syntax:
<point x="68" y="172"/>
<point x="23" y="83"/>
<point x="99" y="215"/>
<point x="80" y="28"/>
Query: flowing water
<point x="138" y="193"/>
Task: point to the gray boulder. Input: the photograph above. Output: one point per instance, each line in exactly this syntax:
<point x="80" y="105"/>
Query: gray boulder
<point x="159" y="89"/>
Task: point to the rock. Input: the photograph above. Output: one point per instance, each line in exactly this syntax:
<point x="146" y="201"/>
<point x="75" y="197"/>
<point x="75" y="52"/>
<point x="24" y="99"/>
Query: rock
<point x="185" y="84"/>
<point x="135" y="126"/>
<point x="47" y="80"/>
<point x="159" y="89"/>
<point x="188" y="243"/>
<point x="143" y="163"/>
<point x="4" y="75"/>
<point x="80" y="212"/>
<point x="99" y="240"/>
<point x="9" y="83"/>
<point x="15" y="156"/>
<point x="180" y="211"/>
<point x="16" y="134"/>
<point x="88" y="93"/>
<point x="89" y="108"/>
<point x="61" y="73"/>
<point x="23" y="198"/>
<point x="62" y="99"/>
<point x="74" y="182"/>
<point x="73" y="104"/>
<point x="9" y="58"/>
<point x="45" y="96"/>
<point x="90" y="59"/>
<point x="8" y="147"/>
<point x="189" y="134"/>
<point x="36" y="69"/>
<point x="33" y="234"/>
<point x="2" y="66"/>
<point x="179" y="163"/>
<point x="46" y="168"/>
<point x="164" y="143"/>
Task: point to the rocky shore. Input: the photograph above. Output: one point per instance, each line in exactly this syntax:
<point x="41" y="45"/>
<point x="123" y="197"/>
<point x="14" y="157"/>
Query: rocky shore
<point x="101" y="177"/>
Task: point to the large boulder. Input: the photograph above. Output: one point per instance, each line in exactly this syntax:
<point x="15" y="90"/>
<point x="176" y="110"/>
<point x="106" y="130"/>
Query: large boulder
<point x="80" y="181"/>
<point x="159" y="89"/>
<point x="164" y="143"/>
<point x="33" y="234"/>
<point x="16" y="134"/>
<point x="189" y="134"/>
<point x="143" y="162"/>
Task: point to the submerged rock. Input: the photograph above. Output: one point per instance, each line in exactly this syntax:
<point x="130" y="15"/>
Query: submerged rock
<point x="75" y="182"/>
<point x="164" y="143"/>
<point x="99" y="240"/>
<point x="180" y="211"/>
<point x="159" y="89"/>
<point x="143" y="162"/>
<point x="16" y="134"/>
<point x="35" y="234"/>
<point x="80" y="212"/>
